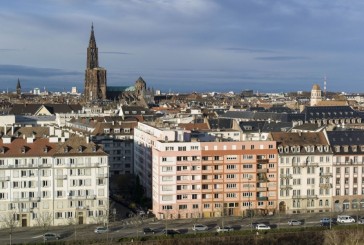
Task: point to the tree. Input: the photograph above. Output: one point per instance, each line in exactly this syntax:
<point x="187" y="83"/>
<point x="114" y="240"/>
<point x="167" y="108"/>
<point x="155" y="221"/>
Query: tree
<point x="44" y="220"/>
<point x="10" y="220"/>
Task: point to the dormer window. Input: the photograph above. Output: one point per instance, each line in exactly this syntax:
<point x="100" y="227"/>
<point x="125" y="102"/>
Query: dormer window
<point x="106" y="130"/>
<point x="94" y="149"/>
<point x="354" y="148"/>
<point x="45" y="149"/>
<point x="116" y="130"/>
<point x="2" y="150"/>
<point x="23" y="150"/>
<point x="126" y="130"/>
<point x="65" y="149"/>
<point x="80" y="149"/>
<point x="346" y="148"/>
<point x="362" y="148"/>
<point x="337" y="148"/>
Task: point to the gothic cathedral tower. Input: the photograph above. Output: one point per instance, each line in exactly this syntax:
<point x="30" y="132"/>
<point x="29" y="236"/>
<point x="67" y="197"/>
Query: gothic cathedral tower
<point x="95" y="76"/>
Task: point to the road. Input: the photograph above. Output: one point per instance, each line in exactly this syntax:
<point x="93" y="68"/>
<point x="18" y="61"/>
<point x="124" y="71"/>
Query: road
<point x="134" y="227"/>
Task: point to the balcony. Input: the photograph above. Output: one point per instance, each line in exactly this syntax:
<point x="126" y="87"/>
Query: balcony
<point x="262" y="170"/>
<point x="262" y="161"/>
<point x="286" y="186"/>
<point x="91" y="197"/>
<point x="262" y="188"/>
<point x="262" y="179"/>
<point x="286" y="176"/>
<point x="35" y="199"/>
<point x="262" y="198"/>
<point x="325" y="186"/>
<point x="99" y="176"/>
<point x="326" y="175"/>
<point x="305" y="197"/>
<point x="59" y="177"/>
<point x="5" y="178"/>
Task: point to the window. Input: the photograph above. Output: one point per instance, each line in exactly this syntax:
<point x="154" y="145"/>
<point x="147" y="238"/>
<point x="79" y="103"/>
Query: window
<point x="206" y="205"/>
<point x="247" y="166"/>
<point x="231" y="166"/>
<point x="181" y="148"/>
<point x="184" y="206"/>
<point x="230" y="176"/>
<point x="167" y="178"/>
<point x="194" y="196"/>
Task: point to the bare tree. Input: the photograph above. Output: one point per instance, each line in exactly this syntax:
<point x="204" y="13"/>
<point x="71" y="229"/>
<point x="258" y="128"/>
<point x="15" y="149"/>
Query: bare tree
<point x="9" y="221"/>
<point x="44" y="220"/>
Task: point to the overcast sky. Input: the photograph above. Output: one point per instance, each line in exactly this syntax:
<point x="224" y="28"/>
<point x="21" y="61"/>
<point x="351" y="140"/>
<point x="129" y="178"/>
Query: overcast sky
<point x="185" y="45"/>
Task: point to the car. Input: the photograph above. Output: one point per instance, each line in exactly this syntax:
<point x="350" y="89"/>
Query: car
<point x="199" y="227"/>
<point x="262" y="227"/>
<point x="170" y="232"/>
<point x="345" y="219"/>
<point x="224" y="229"/>
<point x="294" y="222"/>
<point x="361" y="220"/>
<point x="326" y="220"/>
<point x="101" y="229"/>
<point x="148" y="230"/>
<point x="51" y="236"/>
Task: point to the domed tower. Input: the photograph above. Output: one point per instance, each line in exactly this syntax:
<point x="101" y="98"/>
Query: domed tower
<point x="140" y="86"/>
<point x="315" y="95"/>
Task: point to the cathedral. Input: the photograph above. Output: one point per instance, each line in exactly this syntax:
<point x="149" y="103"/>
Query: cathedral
<point x="97" y="89"/>
<point x="95" y="76"/>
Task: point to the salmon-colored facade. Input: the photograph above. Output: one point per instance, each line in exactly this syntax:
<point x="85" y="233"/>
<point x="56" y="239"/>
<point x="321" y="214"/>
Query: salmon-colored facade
<point x="212" y="179"/>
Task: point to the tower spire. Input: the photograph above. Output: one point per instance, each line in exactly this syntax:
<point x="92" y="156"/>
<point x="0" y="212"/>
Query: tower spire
<point x="92" y="51"/>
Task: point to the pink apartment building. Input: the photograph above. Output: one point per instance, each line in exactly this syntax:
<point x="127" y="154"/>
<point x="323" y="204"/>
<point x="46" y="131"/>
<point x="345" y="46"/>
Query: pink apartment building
<point x="189" y="178"/>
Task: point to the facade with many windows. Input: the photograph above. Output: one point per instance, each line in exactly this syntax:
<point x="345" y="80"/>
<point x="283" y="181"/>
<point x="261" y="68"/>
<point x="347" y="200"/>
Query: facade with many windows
<point x="191" y="178"/>
<point x="305" y="172"/>
<point x="52" y="181"/>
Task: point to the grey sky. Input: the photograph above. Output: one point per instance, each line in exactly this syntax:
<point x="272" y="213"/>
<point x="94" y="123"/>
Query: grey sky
<point x="185" y="45"/>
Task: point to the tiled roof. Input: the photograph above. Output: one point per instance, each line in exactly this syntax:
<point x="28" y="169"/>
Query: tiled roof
<point x="31" y="109"/>
<point x="290" y="139"/>
<point x="41" y="147"/>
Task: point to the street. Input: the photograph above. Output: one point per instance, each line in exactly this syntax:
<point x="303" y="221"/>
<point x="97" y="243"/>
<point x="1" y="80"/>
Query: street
<point x="133" y="227"/>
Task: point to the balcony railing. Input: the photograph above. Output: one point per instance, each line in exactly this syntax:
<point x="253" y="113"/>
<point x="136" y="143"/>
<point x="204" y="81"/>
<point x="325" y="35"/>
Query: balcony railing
<point x="286" y="176"/>
<point x="262" y="198"/>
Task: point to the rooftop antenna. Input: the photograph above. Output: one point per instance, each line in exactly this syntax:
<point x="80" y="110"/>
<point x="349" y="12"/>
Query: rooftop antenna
<point x="325" y="85"/>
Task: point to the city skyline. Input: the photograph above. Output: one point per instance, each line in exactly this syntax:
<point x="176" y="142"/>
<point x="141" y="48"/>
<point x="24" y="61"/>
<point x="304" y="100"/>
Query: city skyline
<point x="184" y="46"/>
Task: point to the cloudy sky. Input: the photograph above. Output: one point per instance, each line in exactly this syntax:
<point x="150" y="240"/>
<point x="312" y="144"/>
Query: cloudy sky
<point x="185" y="45"/>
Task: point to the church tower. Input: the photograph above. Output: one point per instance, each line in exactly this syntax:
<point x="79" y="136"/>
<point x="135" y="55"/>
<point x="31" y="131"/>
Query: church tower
<point x="18" y="88"/>
<point x="315" y="95"/>
<point x="95" y="76"/>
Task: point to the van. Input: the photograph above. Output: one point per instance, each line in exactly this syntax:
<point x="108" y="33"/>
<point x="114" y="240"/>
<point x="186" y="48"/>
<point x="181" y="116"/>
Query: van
<point x="345" y="219"/>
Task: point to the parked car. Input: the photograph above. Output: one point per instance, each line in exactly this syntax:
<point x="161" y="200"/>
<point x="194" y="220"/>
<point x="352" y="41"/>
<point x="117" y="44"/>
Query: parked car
<point x="51" y="236"/>
<point x="199" y="227"/>
<point x="101" y="229"/>
<point x="224" y="229"/>
<point x="148" y="230"/>
<point x="361" y="220"/>
<point x="326" y="220"/>
<point x="294" y="222"/>
<point x="170" y="232"/>
<point x="345" y="219"/>
<point x="262" y="227"/>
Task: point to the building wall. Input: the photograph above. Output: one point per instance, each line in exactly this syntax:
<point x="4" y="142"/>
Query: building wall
<point x="53" y="189"/>
<point x="213" y="179"/>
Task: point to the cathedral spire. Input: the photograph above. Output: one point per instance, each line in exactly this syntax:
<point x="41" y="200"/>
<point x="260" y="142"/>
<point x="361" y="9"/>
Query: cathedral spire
<point x="18" y="87"/>
<point x="92" y="52"/>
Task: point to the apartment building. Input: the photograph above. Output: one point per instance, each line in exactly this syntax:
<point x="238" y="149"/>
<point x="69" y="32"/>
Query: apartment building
<point x="348" y="169"/>
<point x="115" y="136"/>
<point x="189" y="178"/>
<point x="52" y="180"/>
<point x="304" y="172"/>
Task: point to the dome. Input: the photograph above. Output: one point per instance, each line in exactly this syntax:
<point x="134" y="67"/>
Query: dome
<point x="316" y="87"/>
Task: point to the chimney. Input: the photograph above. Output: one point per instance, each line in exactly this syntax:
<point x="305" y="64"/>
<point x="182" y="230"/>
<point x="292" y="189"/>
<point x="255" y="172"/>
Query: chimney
<point x="87" y="139"/>
<point x="12" y="130"/>
<point x="4" y="129"/>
